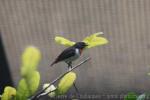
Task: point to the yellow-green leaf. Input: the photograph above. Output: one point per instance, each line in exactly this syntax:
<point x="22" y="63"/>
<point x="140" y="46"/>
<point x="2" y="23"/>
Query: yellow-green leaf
<point x="28" y="86"/>
<point x="94" y="40"/>
<point x="23" y="90"/>
<point x="63" y="41"/>
<point x="66" y="83"/>
<point x="33" y="82"/>
<point x="31" y="78"/>
<point x="30" y="60"/>
<point x="9" y="93"/>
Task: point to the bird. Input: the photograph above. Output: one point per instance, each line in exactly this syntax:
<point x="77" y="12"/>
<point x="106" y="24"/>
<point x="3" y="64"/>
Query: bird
<point x="70" y="54"/>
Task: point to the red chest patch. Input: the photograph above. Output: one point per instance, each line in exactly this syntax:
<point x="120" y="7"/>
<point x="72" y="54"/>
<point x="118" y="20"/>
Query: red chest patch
<point x="80" y="51"/>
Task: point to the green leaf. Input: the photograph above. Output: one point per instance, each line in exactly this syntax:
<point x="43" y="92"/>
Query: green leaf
<point x="22" y="91"/>
<point x="28" y="86"/>
<point x="95" y="40"/>
<point x="92" y="40"/>
<point x="142" y="97"/>
<point x="30" y="60"/>
<point x="33" y="81"/>
<point x="130" y="96"/>
<point x="64" y="41"/>
<point x="31" y="78"/>
<point x="9" y="93"/>
<point x="66" y="83"/>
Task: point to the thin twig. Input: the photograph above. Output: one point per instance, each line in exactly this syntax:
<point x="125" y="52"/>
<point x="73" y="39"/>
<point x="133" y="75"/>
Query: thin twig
<point x="74" y="85"/>
<point x="37" y="96"/>
<point x="76" y="89"/>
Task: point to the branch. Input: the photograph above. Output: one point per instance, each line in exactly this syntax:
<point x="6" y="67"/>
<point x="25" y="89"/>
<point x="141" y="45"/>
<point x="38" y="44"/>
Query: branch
<point x="38" y="95"/>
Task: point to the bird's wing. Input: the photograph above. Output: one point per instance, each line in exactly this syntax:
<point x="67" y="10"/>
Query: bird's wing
<point x="67" y="53"/>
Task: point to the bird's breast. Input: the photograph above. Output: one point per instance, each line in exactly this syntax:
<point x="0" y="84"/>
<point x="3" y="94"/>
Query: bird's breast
<point x="77" y="52"/>
<point x="76" y="56"/>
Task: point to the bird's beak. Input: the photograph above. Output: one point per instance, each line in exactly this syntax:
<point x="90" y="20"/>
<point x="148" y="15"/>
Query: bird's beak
<point x="86" y="45"/>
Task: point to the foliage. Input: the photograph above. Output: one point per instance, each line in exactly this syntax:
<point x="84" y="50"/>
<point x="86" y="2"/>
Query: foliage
<point x="29" y="83"/>
<point x="9" y="93"/>
<point x="133" y="96"/>
<point x="30" y="76"/>
<point x="30" y="60"/>
<point x="64" y="85"/>
<point x="130" y="96"/>
<point x="64" y="41"/>
<point x="92" y="40"/>
<point x="28" y="86"/>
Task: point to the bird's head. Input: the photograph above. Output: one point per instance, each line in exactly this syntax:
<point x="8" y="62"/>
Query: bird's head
<point x="80" y="45"/>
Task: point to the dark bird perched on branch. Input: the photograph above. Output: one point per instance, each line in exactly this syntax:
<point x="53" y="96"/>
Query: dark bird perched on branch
<point x="70" y="54"/>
